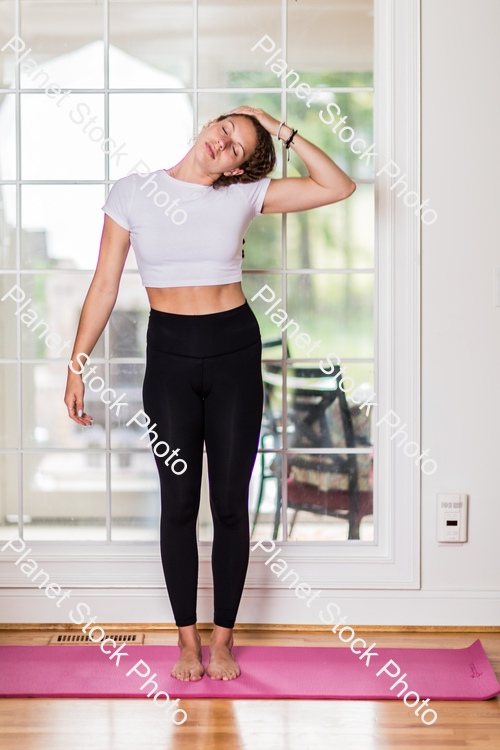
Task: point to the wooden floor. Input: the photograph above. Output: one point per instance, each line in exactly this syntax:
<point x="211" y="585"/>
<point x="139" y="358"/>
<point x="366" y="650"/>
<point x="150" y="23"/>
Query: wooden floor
<point x="217" y="724"/>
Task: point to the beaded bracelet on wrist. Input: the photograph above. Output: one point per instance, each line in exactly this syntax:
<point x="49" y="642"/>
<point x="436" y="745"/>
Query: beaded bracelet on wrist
<point x="290" y="138"/>
<point x="290" y="141"/>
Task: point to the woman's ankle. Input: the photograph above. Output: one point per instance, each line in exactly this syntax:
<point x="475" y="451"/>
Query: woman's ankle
<point x="221" y="635"/>
<point x="188" y="637"/>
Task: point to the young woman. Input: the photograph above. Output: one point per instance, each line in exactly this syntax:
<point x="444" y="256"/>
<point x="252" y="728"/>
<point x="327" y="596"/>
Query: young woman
<point x="203" y="378"/>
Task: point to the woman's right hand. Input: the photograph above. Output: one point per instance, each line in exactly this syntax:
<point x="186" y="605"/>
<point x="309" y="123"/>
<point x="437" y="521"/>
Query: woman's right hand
<point x="73" y="398"/>
<point x="99" y="302"/>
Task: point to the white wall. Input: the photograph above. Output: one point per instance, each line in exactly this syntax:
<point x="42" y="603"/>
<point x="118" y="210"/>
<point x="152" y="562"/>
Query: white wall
<point x="460" y="358"/>
<point x="460" y="325"/>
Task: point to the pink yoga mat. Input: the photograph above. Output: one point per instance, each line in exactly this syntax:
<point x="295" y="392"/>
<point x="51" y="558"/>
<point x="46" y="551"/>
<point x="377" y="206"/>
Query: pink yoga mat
<point x="267" y="672"/>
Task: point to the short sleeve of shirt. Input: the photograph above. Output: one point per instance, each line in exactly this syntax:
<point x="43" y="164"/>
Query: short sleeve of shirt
<point x="118" y="202"/>
<point x="255" y="193"/>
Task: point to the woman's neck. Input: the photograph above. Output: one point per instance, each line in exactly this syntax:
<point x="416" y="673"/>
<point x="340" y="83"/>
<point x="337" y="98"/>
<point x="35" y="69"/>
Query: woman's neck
<point x="186" y="171"/>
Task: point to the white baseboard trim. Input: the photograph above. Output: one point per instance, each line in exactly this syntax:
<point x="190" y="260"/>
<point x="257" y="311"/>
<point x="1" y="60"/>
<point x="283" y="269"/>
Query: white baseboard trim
<point x="279" y="606"/>
<point x="134" y="572"/>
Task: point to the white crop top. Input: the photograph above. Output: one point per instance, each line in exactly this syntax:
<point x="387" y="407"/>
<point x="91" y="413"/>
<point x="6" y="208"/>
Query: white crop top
<point x="185" y="234"/>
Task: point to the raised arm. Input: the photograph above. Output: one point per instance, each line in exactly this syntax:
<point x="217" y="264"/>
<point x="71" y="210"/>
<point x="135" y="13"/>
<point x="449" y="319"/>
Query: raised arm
<point x="98" y="305"/>
<point x="326" y="183"/>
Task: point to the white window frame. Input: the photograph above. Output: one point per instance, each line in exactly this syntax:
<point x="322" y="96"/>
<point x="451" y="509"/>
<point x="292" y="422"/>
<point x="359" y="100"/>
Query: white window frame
<point x="393" y="559"/>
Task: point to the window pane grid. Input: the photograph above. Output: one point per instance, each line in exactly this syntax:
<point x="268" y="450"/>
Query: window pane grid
<point x="285" y="361"/>
<point x="312" y="451"/>
<point x="181" y="90"/>
<point x="133" y="272"/>
<point x="101" y="361"/>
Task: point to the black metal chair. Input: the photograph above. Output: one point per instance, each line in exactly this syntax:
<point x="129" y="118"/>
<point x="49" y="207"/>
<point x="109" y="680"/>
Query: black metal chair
<point x="309" y="429"/>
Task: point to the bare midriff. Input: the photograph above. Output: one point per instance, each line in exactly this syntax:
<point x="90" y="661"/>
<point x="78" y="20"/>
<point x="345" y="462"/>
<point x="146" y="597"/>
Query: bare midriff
<point x="196" y="300"/>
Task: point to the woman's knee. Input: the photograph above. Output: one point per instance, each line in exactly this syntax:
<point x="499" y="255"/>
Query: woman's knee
<point x="179" y="509"/>
<point x="231" y="514"/>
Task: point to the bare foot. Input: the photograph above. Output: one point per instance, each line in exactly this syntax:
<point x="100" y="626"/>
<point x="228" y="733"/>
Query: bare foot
<point x="222" y="665"/>
<point x="189" y="666"/>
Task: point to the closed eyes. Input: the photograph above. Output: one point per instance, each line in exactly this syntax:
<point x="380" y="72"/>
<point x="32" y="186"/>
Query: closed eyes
<point x="226" y="133"/>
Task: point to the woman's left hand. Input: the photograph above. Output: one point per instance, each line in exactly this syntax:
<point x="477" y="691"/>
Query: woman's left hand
<point x="268" y="122"/>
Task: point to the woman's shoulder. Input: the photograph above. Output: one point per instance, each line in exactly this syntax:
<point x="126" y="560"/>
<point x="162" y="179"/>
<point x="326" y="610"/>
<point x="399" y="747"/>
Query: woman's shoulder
<point x="125" y="184"/>
<point x="253" y="192"/>
<point x="251" y="185"/>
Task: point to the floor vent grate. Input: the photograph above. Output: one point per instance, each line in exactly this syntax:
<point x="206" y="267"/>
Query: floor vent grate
<point x="67" y="639"/>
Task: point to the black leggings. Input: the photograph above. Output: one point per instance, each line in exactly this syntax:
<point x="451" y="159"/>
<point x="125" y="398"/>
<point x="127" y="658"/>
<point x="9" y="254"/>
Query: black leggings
<point x="203" y="382"/>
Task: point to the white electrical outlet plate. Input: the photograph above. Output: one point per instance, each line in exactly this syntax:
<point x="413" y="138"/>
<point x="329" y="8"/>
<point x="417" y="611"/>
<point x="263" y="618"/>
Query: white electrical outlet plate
<point x="452" y="518"/>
